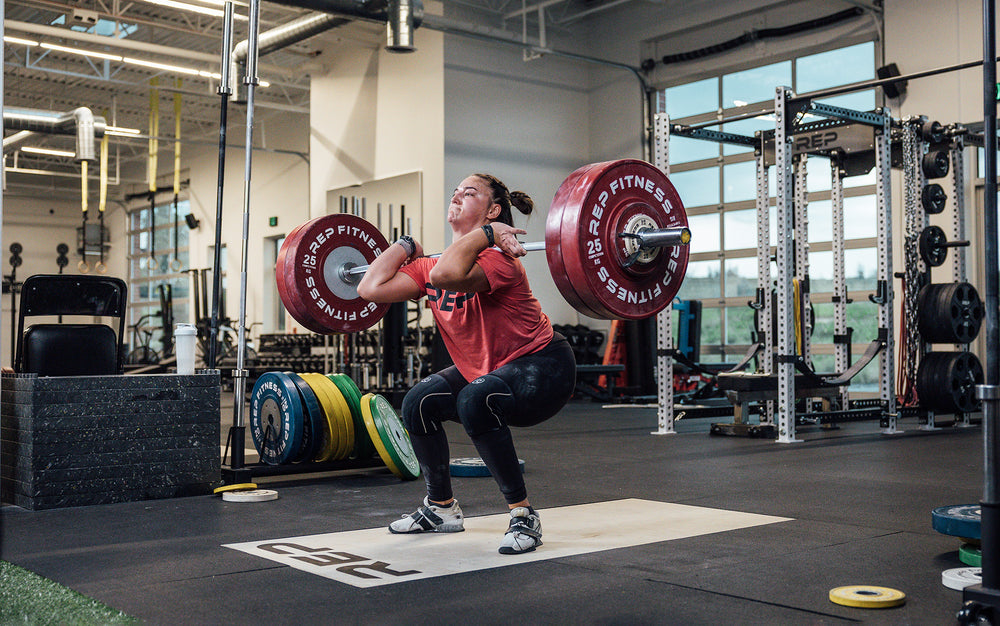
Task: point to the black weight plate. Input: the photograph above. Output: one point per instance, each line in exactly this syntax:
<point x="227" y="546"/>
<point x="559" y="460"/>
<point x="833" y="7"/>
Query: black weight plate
<point x="311" y="416"/>
<point x="949" y="313"/>
<point x="935" y="164"/>
<point x="946" y="381"/>
<point x="933" y="198"/>
<point x="62" y="248"/>
<point x="16" y="249"/>
<point x="932" y="247"/>
<point x="276" y="416"/>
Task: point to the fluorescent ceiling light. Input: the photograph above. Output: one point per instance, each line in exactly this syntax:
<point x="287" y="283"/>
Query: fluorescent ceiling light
<point x="18" y="40"/>
<point x="184" y="6"/>
<point x="48" y="151"/>
<point x="86" y="53"/>
<point x="120" y="131"/>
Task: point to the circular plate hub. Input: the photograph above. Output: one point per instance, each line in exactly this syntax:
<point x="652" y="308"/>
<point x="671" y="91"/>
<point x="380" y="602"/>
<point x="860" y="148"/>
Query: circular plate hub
<point x="311" y="283"/>
<point x="592" y="206"/>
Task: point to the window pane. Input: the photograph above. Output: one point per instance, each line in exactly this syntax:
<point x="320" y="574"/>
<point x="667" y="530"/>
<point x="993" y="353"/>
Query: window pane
<point x="820" y="272"/>
<point x="823" y="325"/>
<point x="741" y="277"/>
<point x="740" y="181"/>
<point x="693" y="98"/>
<point x="747" y="128"/>
<point x="835" y="67"/>
<point x="711" y="334"/>
<point x="755" y="85"/>
<point x="820" y="221"/>
<point x="697" y="187"/>
<point x="685" y="149"/>
<point x="860" y="217"/>
<point x="861" y="270"/>
<point x="741" y="229"/>
<point x="704" y="232"/>
<point x="739" y="325"/>
<point x="818" y="174"/>
<point x="859" y="101"/>
<point x="701" y="282"/>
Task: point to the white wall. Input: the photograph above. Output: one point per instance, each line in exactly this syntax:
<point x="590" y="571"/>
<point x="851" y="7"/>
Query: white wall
<point x="40" y="224"/>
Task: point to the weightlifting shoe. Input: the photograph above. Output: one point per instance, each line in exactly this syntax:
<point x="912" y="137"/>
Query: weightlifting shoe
<point x="431" y="518"/>
<point x="524" y="533"/>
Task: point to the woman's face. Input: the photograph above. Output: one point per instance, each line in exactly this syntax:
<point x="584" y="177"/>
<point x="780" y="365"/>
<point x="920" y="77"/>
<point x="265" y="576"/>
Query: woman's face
<point x="471" y="206"/>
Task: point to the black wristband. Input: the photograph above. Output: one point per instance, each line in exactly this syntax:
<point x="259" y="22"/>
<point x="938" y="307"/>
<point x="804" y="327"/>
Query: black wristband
<point x="407" y="242"/>
<point x="488" y="229"/>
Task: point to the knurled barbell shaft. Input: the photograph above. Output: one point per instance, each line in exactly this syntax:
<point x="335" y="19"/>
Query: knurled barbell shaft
<point x="649" y="238"/>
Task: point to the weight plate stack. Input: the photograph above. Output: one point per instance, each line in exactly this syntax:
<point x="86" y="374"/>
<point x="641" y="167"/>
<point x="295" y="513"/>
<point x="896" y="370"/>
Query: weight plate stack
<point x="946" y="381"/>
<point x="933" y="198"/>
<point x="949" y="313"/>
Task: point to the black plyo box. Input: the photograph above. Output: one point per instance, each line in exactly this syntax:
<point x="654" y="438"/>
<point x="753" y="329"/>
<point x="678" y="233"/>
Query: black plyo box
<point x="83" y="440"/>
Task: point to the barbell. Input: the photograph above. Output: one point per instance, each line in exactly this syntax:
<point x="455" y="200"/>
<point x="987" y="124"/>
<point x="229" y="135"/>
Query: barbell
<point x="616" y="240"/>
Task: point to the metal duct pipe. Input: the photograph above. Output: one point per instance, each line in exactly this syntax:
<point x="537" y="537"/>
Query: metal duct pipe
<point x="399" y="28"/>
<point x="275" y="39"/>
<point x="15" y="141"/>
<point x="81" y="122"/>
<point x="331" y="13"/>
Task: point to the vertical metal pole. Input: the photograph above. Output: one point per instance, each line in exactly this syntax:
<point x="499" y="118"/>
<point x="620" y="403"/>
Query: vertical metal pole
<point x="990" y="524"/>
<point x="841" y="340"/>
<point x="224" y="92"/>
<point x="664" y="319"/>
<point x="801" y="204"/>
<point x="785" y="352"/>
<point x="250" y="80"/>
<point x="887" y="359"/>
<point x="765" y="313"/>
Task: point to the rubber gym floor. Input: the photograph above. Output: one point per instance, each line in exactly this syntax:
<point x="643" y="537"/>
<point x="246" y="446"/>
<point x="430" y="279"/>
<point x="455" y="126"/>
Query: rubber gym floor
<point x="858" y="506"/>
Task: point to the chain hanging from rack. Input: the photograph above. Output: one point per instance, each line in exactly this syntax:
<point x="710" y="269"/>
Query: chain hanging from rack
<point x="913" y="217"/>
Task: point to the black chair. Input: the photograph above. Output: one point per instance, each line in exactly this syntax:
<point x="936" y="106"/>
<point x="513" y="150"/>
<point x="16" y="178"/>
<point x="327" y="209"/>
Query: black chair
<point x="71" y="349"/>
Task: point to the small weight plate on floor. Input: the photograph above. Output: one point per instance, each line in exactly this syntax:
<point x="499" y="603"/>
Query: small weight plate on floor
<point x="331" y="421"/>
<point x="363" y="447"/>
<point x="389" y="436"/>
<point x="256" y="495"/>
<point x="312" y="420"/>
<point x="970" y="555"/>
<point x="866" y="597"/>
<point x="958" y="520"/>
<point x="276" y="415"/>
<point x="473" y="466"/>
<point x="961" y="577"/>
<point x="236" y="487"/>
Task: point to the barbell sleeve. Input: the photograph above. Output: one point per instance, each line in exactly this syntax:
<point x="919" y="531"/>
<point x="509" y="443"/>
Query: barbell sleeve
<point x="649" y="238"/>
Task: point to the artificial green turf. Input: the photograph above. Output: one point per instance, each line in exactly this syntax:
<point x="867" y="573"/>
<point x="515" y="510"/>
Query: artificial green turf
<point x="27" y="598"/>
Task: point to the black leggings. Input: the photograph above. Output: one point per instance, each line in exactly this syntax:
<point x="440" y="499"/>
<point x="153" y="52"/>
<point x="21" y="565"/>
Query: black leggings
<point x="524" y="392"/>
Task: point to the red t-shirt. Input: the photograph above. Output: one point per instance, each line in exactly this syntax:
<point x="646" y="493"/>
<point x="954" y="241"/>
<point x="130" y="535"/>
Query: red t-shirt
<point x="486" y="330"/>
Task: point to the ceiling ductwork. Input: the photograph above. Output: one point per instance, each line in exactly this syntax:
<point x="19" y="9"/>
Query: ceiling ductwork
<point x="400" y="16"/>
<point x="80" y="122"/>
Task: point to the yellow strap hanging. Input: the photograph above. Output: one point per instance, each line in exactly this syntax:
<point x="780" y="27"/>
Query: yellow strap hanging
<point x="177" y="142"/>
<point x="154" y="131"/>
<point x="83" y="187"/>
<point x="104" y="174"/>
<point x="797" y="308"/>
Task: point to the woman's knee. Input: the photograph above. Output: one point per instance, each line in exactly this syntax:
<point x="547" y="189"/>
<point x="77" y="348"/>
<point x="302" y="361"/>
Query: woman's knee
<point x="427" y="404"/>
<point x="484" y="404"/>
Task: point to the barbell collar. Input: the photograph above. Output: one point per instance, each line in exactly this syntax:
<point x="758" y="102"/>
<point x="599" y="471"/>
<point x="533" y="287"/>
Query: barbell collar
<point x="648" y="238"/>
<point x="988" y="392"/>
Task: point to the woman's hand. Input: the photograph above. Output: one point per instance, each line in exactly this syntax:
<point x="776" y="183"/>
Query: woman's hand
<point x="505" y="238"/>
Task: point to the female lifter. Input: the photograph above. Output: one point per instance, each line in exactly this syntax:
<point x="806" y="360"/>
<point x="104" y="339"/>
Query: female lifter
<point x="510" y="368"/>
